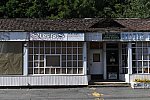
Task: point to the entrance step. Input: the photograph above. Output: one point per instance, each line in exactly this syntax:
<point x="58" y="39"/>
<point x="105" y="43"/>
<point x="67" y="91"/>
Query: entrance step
<point x="108" y="84"/>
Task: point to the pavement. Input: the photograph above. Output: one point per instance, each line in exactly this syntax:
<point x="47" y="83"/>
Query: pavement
<point x="75" y="93"/>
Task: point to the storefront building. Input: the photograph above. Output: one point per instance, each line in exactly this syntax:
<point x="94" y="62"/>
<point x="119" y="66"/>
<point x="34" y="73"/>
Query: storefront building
<point x="73" y="53"/>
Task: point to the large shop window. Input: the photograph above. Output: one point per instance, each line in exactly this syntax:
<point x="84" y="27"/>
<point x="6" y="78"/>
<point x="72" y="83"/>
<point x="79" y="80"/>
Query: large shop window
<point x="55" y="58"/>
<point x="11" y="58"/>
<point x="141" y="57"/>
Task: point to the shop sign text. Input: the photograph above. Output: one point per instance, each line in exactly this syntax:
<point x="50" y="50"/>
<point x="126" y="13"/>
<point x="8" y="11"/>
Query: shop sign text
<point x="135" y="36"/>
<point x="111" y="36"/>
<point x="56" y="36"/>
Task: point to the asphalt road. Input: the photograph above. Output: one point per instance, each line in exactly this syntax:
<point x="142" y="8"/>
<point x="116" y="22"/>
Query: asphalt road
<point x="81" y="93"/>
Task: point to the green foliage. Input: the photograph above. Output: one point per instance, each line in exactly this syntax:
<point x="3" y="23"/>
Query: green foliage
<point x="137" y="9"/>
<point x="55" y="9"/>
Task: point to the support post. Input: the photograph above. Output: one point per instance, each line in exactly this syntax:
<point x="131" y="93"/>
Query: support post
<point x="25" y="59"/>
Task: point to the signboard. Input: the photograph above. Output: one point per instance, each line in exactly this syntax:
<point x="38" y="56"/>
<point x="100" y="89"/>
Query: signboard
<point x="93" y="37"/>
<point x="135" y="36"/>
<point x="13" y="36"/>
<point x="111" y="36"/>
<point x="56" y="36"/>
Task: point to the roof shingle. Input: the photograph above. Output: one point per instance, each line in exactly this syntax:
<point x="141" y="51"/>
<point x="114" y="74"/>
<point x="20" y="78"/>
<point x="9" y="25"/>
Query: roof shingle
<point x="84" y="24"/>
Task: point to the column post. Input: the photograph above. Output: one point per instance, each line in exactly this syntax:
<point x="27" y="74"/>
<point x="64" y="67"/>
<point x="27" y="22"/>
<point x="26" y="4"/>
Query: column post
<point x="25" y="59"/>
<point x="104" y="60"/>
<point x="85" y="58"/>
<point x="129" y="61"/>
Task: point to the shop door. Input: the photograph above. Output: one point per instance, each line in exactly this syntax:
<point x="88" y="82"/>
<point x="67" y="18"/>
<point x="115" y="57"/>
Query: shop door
<point x="112" y="62"/>
<point x="96" y="68"/>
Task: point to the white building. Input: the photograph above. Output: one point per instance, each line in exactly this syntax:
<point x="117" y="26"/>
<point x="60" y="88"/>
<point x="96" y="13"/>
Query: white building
<point x="72" y="52"/>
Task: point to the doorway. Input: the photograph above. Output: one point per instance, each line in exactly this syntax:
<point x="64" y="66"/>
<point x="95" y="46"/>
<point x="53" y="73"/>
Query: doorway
<point x="112" y="61"/>
<point x="96" y="61"/>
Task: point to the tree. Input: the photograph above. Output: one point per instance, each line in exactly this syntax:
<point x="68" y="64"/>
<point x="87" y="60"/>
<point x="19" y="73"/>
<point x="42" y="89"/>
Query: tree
<point x="137" y="9"/>
<point x="37" y="9"/>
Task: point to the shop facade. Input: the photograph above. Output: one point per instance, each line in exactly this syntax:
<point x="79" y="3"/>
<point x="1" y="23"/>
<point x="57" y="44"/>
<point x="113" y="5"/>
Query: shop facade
<point x="72" y="57"/>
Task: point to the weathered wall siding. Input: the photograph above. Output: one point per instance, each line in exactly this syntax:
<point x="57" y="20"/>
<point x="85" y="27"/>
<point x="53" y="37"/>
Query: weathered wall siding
<point x="138" y="76"/>
<point x="43" y="80"/>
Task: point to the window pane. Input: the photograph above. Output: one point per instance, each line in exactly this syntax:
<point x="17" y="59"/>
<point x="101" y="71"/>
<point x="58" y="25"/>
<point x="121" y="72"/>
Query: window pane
<point x="41" y="64"/>
<point x="52" y="50"/>
<point x="41" y="57"/>
<point x="79" y="57"/>
<point x="47" y="71"/>
<point x="69" y="44"/>
<point x="80" y="64"/>
<point x="69" y="50"/>
<point x="47" y="44"/>
<point x="47" y="50"/>
<point x="145" y="70"/>
<point x="139" y="56"/>
<point x="52" y="70"/>
<point x="58" y="71"/>
<point x="74" y="57"/>
<point x="53" y="60"/>
<point x="63" y="64"/>
<point x="30" y="50"/>
<point x="139" y="64"/>
<point x="30" y="71"/>
<point x="36" y="57"/>
<point x="145" y="57"/>
<point x="74" y="50"/>
<point x="30" y="44"/>
<point x="36" y="50"/>
<point x="41" y="70"/>
<point x="36" y="64"/>
<point x="63" y="44"/>
<point x="74" y="63"/>
<point x="63" y="50"/>
<point x="41" y="50"/>
<point x="74" y="44"/>
<point x="96" y="57"/>
<point x="79" y="50"/>
<point x="63" y="57"/>
<point x="52" y="44"/>
<point x="30" y="64"/>
<point x="36" y="44"/>
<point x="145" y="63"/>
<point x="63" y="70"/>
<point x="36" y="70"/>
<point x="145" y="50"/>
<point x="139" y="44"/>
<point x="58" y="44"/>
<point x="69" y="71"/>
<point x="80" y="44"/>
<point x="69" y="64"/>
<point x="80" y="71"/>
<point x="58" y="50"/>
<point x="134" y="70"/>
<point x="139" y="70"/>
<point x="69" y="57"/>
<point x="74" y="70"/>
<point x="41" y="44"/>
<point x="30" y="57"/>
